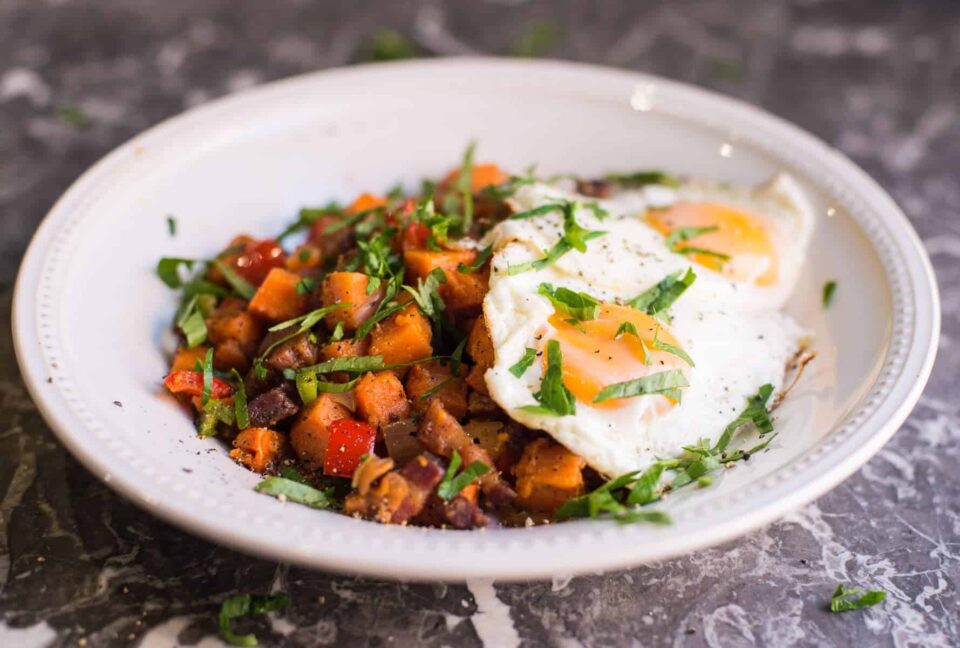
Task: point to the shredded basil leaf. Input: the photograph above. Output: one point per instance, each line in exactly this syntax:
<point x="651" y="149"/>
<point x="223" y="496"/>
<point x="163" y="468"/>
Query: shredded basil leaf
<point x="337" y="334"/>
<point x="191" y="323"/>
<point x="482" y="257"/>
<point x="436" y="388"/>
<point x="240" y="285"/>
<point x="241" y="415"/>
<point x="168" y="269"/>
<point x="295" y="491"/>
<point x="538" y="211"/>
<point x="554" y="397"/>
<point x="643" y="178"/>
<point x="829" y="289"/>
<point x="576" y="304"/>
<point x="306" y="285"/>
<point x="683" y="234"/>
<point x="667" y="383"/>
<point x="456" y="358"/>
<point x="171" y="225"/>
<point x="357" y="364"/>
<point x="621" y="498"/>
<point x="574" y="237"/>
<point x="465" y="186"/>
<point x="246" y="605"/>
<point x="211" y="415"/>
<point x="524" y="363"/>
<point x="755" y="413"/>
<point x="450" y="486"/>
<point x="661" y="296"/>
<point x="671" y="349"/>
<point x="207" y="377"/>
<point x="841" y="600"/>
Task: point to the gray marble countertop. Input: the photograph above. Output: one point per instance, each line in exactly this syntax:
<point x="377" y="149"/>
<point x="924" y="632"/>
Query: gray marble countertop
<point x="880" y="80"/>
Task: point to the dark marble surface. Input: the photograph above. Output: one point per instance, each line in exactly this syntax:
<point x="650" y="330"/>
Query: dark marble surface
<point x="880" y="80"/>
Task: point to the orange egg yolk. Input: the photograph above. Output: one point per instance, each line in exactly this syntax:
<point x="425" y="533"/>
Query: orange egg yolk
<point x="740" y="236"/>
<point x="594" y="357"/>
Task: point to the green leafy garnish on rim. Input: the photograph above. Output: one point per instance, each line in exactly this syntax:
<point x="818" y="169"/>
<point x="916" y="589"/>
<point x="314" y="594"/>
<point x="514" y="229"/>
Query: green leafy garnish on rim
<point x="842" y="600"/>
<point x="829" y="289"/>
<point x="451" y="484"/>
<point x="554" y="397"/>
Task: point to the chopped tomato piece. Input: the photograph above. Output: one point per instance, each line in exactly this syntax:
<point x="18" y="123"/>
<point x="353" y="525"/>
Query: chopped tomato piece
<point x="191" y="383"/>
<point x="415" y="236"/>
<point x="348" y="441"/>
<point x="255" y="261"/>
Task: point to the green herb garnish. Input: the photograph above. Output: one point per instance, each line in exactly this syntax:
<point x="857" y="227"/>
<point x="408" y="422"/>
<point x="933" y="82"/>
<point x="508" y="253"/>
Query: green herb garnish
<point x="241" y="415"/>
<point x="240" y="285"/>
<point x="450" y="486"/>
<point x="172" y="225"/>
<point x="671" y="349"/>
<point x="683" y="234"/>
<point x="829" y="289"/>
<point x="482" y="257"/>
<point x="554" y="397"/>
<point x="665" y="383"/>
<point x="524" y="363"/>
<point x="436" y="388"/>
<point x="207" y="377"/>
<point x="73" y="116"/>
<point x="168" y="269"/>
<point x="295" y="491"/>
<point x="621" y="498"/>
<point x="841" y="600"/>
<point x="246" y="605"/>
<point x="538" y="211"/>
<point x="661" y="296"/>
<point x="537" y="40"/>
<point x="578" y="305"/>
<point x="389" y="45"/>
<point x="211" y="415"/>
<point x="308" y="216"/>
<point x="191" y="323"/>
<point x="574" y="237"/>
<point x="306" y="285"/>
<point x="465" y="187"/>
<point x="755" y="413"/>
<point x="642" y="179"/>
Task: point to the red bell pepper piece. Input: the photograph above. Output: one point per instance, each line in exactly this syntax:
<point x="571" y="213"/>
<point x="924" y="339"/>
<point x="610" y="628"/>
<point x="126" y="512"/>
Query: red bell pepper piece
<point x="256" y="260"/>
<point x="191" y="384"/>
<point x="415" y="236"/>
<point x="348" y="440"/>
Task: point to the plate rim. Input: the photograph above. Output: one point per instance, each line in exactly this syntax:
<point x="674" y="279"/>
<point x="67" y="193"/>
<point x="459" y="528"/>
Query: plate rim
<point x="27" y="333"/>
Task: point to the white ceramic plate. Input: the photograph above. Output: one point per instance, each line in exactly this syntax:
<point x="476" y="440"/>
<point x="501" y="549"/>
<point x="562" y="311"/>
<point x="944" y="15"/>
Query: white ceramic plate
<point x="90" y="315"/>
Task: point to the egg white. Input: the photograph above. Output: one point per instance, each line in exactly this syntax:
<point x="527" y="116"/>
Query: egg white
<point x="735" y="334"/>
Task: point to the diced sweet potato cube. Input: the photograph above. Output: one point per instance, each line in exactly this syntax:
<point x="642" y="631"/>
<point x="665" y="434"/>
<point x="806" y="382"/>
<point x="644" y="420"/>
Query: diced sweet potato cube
<point x="305" y="257"/>
<point x="229" y="355"/>
<point x="277" y="299"/>
<point x="425" y="377"/>
<point x="481" y="175"/>
<point x="366" y="201"/>
<point x="186" y="359"/>
<point x="232" y="321"/>
<point x="381" y="399"/>
<point x="462" y="291"/>
<point x="309" y="434"/>
<point x="258" y="448"/>
<point x="404" y="337"/>
<point x="547" y="476"/>
<point x="480" y="349"/>
<point x="349" y="288"/>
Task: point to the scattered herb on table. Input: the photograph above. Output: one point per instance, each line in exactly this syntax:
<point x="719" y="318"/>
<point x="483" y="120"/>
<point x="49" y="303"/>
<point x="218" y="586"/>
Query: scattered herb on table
<point x="846" y="600"/>
<point x="246" y="605"/>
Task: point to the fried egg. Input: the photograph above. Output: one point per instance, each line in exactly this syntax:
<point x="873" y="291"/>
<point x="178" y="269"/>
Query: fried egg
<point x="725" y="334"/>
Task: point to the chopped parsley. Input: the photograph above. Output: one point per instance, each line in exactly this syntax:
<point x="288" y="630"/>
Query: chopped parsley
<point x="829" y="289"/>
<point x="538" y="211"/>
<point x="465" y="186"/>
<point x="554" y="397"/>
<point x="171" y="225"/>
<point x="211" y="415"/>
<point x="660" y="297"/>
<point x="842" y="600"/>
<point x="578" y="305"/>
<point x="451" y="484"/>
<point x="524" y="363"/>
<point x="306" y="285"/>
<point x="755" y="413"/>
<point x="246" y="605"/>
<point x="665" y="383"/>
